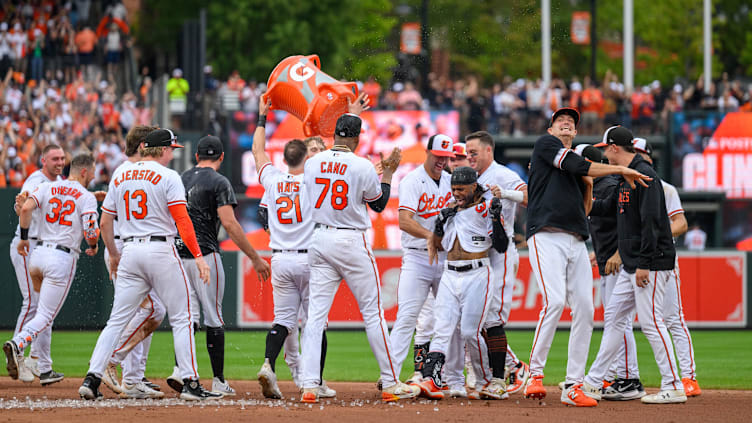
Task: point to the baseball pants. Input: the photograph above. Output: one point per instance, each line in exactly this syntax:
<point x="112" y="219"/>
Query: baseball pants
<point x="208" y="296"/>
<point x="625" y="364"/>
<point x="562" y="268"/>
<point x="335" y="254"/>
<point x="673" y="316"/>
<point x="290" y="275"/>
<point x="58" y="269"/>
<point x="30" y="298"/>
<point x="463" y="298"/>
<point x="417" y="281"/>
<point x="146" y="265"/>
<point x="648" y="302"/>
<point x="505" y="268"/>
<point x="131" y="359"/>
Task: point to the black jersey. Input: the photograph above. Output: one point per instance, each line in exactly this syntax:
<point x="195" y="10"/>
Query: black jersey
<point x="555" y="189"/>
<point x="603" y="228"/>
<point x="205" y="191"/>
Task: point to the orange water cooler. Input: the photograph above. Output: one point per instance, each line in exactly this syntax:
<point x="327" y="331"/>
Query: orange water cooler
<point x="298" y="86"/>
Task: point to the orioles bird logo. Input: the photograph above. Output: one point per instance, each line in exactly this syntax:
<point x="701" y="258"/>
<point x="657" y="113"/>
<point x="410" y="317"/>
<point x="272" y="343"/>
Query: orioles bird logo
<point x="445" y="144"/>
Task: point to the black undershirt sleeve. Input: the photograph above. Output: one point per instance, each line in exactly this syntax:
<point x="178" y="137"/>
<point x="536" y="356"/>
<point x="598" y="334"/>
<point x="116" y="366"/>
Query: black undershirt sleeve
<point x="378" y="205"/>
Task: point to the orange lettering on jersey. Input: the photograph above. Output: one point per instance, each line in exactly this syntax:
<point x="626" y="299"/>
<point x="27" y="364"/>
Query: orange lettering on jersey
<point x="156" y="179"/>
<point x="426" y="204"/>
<point x="296" y="186"/>
<point x="66" y="191"/>
<point x="481" y="208"/>
<point x="336" y="167"/>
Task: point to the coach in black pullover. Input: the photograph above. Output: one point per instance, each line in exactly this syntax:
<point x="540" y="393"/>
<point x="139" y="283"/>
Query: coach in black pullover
<point x="643" y="227"/>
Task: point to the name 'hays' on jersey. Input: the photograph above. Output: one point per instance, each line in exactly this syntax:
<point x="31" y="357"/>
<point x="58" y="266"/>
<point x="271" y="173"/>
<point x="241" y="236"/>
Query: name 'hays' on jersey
<point x="140" y="194"/>
<point x="290" y="223"/>
<point x="339" y="184"/>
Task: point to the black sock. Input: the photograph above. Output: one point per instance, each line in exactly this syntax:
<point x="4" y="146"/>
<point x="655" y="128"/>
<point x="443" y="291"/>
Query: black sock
<point x="419" y="355"/>
<point x="323" y="356"/>
<point x="275" y="339"/>
<point x="433" y="364"/>
<point x="496" y="338"/>
<point x="215" y="345"/>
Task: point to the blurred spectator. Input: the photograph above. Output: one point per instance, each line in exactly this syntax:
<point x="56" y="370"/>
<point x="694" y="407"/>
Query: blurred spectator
<point x="373" y="89"/>
<point x="695" y="238"/>
<point x="113" y="51"/>
<point x="6" y="51"/>
<point x="591" y="107"/>
<point x="86" y="40"/>
<point x="409" y="98"/>
<point x="177" y="91"/>
<point x="727" y="102"/>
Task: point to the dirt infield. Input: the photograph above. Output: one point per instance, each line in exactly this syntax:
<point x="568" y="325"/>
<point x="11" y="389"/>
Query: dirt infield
<point x="357" y="402"/>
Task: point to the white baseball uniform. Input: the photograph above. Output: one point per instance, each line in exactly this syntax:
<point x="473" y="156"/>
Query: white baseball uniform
<point x="464" y="293"/>
<point x="424" y="197"/>
<point x="66" y="209"/>
<point x="338" y="185"/>
<point x="139" y="195"/>
<point x="30" y="298"/>
<point x="505" y="264"/>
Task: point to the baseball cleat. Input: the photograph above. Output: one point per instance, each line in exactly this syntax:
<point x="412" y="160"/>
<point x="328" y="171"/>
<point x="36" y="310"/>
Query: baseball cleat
<point x="562" y="385"/>
<point x="193" y="391"/>
<point x="691" y="387"/>
<point x="295" y="372"/>
<point x="415" y="378"/>
<point x="24" y="372"/>
<point x="325" y="391"/>
<point x="400" y="391"/>
<point x="174" y="380"/>
<point x="591" y="391"/>
<point x="151" y="384"/>
<point x="310" y="395"/>
<point x="89" y="389"/>
<point x="429" y="389"/>
<point x="623" y="390"/>
<point x="669" y="396"/>
<point x="13" y="361"/>
<point x="518" y="377"/>
<point x="33" y="365"/>
<point x="50" y="377"/>
<point x="268" y="381"/>
<point x="223" y="387"/>
<point x="110" y="378"/>
<point x="495" y="389"/>
<point x="457" y="391"/>
<point x="574" y="396"/>
<point x="139" y="391"/>
<point x="470" y="379"/>
<point x="534" y="388"/>
<point x="473" y="395"/>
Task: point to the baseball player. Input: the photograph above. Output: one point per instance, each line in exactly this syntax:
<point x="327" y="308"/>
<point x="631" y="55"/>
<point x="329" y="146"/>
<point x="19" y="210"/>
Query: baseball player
<point x="466" y="229"/>
<point x="68" y="214"/>
<point x="480" y="149"/>
<point x="211" y="202"/>
<point x="673" y="314"/>
<point x="339" y="186"/>
<point x="149" y="201"/>
<point x="648" y="255"/>
<point x="423" y="193"/>
<point x="39" y="361"/>
<point x="460" y="157"/>
<point x="133" y="347"/>
<point x="558" y="190"/>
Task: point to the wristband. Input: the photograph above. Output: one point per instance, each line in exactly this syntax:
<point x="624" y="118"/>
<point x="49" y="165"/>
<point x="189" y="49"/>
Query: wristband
<point x="514" y="195"/>
<point x="24" y="234"/>
<point x="261" y="121"/>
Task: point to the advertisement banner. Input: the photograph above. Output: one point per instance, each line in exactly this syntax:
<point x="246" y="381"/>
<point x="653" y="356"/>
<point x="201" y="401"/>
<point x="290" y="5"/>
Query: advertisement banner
<point x="580" y="30"/>
<point x="713" y="288"/>
<point x="410" y="38"/>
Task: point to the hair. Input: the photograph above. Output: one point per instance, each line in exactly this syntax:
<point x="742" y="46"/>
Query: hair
<point x="151" y="151"/>
<point x="82" y="161"/>
<point x="295" y="152"/>
<point x="50" y="147"/>
<point x="482" y="136"/>
<point x="135" y="137"/>
<point x="318" y="140"/>
<point x="628" y="148"/>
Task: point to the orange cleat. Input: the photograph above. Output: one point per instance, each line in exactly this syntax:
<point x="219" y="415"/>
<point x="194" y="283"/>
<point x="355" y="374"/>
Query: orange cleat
<point x="309" y="396"/>
<point x="534" y="388"/>
<point x="691" y="387"/>
<point x="574" y="396"/>
<point x="429" y="389"/>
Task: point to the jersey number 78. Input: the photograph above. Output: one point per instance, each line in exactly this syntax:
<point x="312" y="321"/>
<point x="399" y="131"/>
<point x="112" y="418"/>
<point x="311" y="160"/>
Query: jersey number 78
<point x="339" y="192"/>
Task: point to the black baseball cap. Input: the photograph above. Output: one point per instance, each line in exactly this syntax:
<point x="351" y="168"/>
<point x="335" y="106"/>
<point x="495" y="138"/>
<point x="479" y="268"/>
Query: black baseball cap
<point x="566" y="111"/>
<point x="643" y="146"/>
<point x="161" y="138"/>
<point x="616" y="135"/>
<point x="348" y="126"/>
<point x="464" y="175"/>
<point x="209" y="146"/>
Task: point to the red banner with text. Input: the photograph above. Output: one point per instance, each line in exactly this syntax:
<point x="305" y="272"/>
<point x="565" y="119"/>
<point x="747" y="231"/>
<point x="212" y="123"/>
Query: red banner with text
<point x="713" y="293"/>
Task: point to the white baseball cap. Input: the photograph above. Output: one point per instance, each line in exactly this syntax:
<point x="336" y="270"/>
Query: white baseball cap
<point x="441" y="145"/>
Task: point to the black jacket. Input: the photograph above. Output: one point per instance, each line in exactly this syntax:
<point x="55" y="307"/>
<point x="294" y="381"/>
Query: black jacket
<point x="642" y="223"/>
<point x="603" y="228"/>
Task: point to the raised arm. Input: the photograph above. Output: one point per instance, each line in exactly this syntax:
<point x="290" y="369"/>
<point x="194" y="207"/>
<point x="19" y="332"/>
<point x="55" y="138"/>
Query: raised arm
<point x="259" y="136"/>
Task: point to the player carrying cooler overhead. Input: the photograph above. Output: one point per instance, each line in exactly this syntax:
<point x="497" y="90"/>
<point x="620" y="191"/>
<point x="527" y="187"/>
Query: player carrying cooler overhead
<point x="558" y="189"/>
<point x="340" y="186"/>
<point x="69" y="213"/>
<point x="149" y="201"/>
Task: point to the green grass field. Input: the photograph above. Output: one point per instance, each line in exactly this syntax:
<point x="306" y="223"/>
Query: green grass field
<point x="723" y="357"/>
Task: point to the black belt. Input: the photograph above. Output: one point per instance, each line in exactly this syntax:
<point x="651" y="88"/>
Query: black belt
<point x="150" y="238"/>
<point x="466" y="267"/>
<point x="290" y="251"/>
<point x="62" y="248"/>
<point x="321" y="225"/>
<point x="117" y="236"/>
<point x="417" y="249"/>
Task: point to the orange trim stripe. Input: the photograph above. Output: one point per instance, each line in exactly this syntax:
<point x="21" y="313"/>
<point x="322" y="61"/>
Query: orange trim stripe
<point x="477" y="332"/>
<point x="503" y="285"/>
<point x="139" y="326"/>
<point x="545" y="297"/>
<point x="665" y="347"/>
<point x="374" y="198"/>
<point x="406" y="208"/>
<point x="28" y="290"/>
<point x="684" y="324"/>
<point x="558" y="164"/>
<point x="381" y="312"/>
<point x="263" y="167"/>
<point x="626" y="356"/>
<point x="190" y="318"/>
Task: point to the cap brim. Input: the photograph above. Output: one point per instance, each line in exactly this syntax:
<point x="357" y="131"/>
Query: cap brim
<point x="442" y="153"/>
<point x="176" y="145"/>
<point x="566" y="111"/>
<point x="600" y="144"/>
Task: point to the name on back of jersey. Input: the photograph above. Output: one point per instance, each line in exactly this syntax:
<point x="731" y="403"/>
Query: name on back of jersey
<point x="333" y="167"/>
<point x="63" y="190"/>
<point x="288" y="187"/>
<point x="138" y="175"/>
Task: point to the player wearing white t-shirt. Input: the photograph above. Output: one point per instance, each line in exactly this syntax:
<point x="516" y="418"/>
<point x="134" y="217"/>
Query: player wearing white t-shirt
<point x="422" y="194"/>
<point x="68" y="214"/>
<point x="340" y="187"/>
<point x="149" y="201"/>
<point x="53" y="160"/>
<point x="466" y="229"/>
<point x="673" y="313"/>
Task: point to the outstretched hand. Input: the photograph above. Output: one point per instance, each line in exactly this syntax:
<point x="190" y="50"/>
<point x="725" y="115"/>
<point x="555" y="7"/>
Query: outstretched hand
<point x="391" y="163"/>
<point x="632" y="176"/>
<point x="361" y="104"/>
<point x="264" y="106"/>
